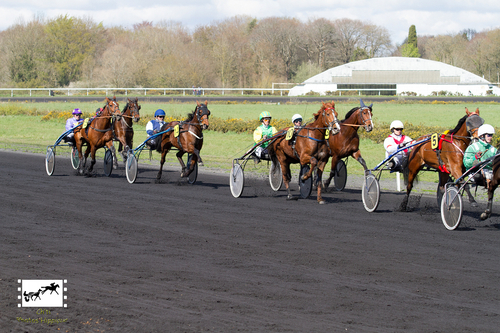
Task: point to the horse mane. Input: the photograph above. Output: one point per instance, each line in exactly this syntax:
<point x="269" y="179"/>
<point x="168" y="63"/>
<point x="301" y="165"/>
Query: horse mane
<point x="459" y="125"/>
<point x="348" y="114"/>
<point x="125" y="108"/>
<point x="190" y="116"/>
<point x="323" y="107"/>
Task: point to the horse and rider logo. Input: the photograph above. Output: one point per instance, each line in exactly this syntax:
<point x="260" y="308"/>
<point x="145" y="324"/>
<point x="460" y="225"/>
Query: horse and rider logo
<point x="42" y="293"/>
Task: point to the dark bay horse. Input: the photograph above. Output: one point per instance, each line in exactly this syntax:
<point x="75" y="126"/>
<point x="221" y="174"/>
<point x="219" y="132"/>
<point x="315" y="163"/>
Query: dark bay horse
<point x="447" y="159"/>
<point x="346" y="142"/>
<point x="98" y="134"/>
<point x="187" y="138"/>
<point x="309" y="148"/>
<point x="122" y="126"/>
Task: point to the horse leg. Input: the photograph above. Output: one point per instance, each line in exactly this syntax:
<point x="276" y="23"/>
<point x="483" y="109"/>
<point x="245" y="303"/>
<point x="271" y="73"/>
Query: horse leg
<point x="487" y="213"/>
<point x="113" y="152"/>
<point x="181" y="162"/>
<point x="313" y="161"/>
<point x="162" y="161"/>
<point x="357" y="157"/>
<point x="327" y="182"/>
<point x="319" y="183"/>
<point x="92" y="160"/>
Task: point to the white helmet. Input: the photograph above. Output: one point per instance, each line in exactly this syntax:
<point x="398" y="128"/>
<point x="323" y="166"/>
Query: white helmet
<point x="485" y="129"/>
<point x="295" y="117"/>
<point x="397" y="124"/>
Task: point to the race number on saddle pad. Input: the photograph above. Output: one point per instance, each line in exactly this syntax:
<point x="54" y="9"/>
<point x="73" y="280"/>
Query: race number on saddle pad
<point x="327" y="134"/>
<point x="176" y="130"/>
<point x="289" y="133"/>
<point x="435" y="141"/>
<point x="85" y="123"/>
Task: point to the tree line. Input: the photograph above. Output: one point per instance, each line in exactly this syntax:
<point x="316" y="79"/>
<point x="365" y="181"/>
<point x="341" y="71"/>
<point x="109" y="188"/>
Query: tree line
<point x="237" y="52"/>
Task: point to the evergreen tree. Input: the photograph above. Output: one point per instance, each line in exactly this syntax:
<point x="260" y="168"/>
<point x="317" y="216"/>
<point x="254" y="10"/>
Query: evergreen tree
<point x="410" y="49"/>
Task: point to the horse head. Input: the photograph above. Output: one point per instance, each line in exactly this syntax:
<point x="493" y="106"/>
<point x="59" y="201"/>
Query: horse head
<point x="330" y="115"/>
<point x="111" y="108"/>
<point x="473" y="122"/>
<point x="365" y="115"/>
<point x="202" y="113"/>
<point x="133" y="108"/>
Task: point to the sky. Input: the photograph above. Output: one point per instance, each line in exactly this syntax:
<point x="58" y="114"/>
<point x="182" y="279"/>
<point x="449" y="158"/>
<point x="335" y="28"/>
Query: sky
<point x="430" y="17"/>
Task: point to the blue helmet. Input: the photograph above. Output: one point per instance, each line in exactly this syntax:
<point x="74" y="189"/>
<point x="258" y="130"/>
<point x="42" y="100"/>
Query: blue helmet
<point x="159" y="112"/>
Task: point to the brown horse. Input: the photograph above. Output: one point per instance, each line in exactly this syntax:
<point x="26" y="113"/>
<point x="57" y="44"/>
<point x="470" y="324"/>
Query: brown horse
<point x="122" y="126"/>
<point x="187" y="139"/>
<point x="309" y="147"/>
<point x="447" y="159"/>
<point x="98" y="134"/>
<point x="346" y="142"/>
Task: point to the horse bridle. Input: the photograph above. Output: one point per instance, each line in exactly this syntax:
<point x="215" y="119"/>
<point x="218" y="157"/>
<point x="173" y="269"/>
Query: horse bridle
<point x="335" y="120"/>
<point x="205" y="112"/>
<point x="364" y="121"/>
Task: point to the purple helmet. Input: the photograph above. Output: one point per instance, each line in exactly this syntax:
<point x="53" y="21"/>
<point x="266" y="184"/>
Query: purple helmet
<point x="77" y="111"/>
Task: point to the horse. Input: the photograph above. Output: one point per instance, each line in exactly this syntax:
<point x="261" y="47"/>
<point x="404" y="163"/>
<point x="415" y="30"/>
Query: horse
<point x="187" y="138"/>
<point x="346" y="142"/>
<point x="32" y="295"/>
<point x="98" y="134"/>
<point x="309" y="147"/>
<point x="447" y="159"/>
<point x="122" y="127"/>
<point x="53" y="286"/>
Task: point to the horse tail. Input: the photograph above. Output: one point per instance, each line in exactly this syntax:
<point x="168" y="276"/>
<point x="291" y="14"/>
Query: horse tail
<point x="405" y="164"/>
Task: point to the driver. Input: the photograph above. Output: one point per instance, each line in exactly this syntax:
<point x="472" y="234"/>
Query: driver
<point x="297" y="121"/>
<point x="395" y="141"/>
<point x="263" y="132"/>
<point x="479" y="151"/>
<point x="72" y="123"/>
<point x="154" y="126"/>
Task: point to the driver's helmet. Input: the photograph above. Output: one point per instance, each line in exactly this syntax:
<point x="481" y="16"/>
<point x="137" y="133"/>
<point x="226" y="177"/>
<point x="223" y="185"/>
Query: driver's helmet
<point x="264" y="114"/>
<point x="76" y="111"/>
<point x="485" y="129"/>
<point x="159" y="112"/>
<point x="296" y="117"/>
<point x="397" y="124"/>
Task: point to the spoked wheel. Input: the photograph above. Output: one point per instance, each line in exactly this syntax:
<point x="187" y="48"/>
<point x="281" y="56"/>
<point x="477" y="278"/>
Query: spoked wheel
<point x="131" y="167"/>
<point x="451" y="208"/>
<point x="370" y="193"/>
<point x="193" y="175"/>
<point x="275" y="176"/>
<point x="236" y="180"/>
<point x="75" y="159"/>
<point x="340" y="177"/>
<point x="50" y="161"/>
<point x="306" y="185"/>
<point x="108" y="162"/>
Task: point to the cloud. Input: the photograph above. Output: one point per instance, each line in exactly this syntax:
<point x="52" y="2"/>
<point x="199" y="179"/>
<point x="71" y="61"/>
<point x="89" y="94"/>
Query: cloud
<point x="429" y="17"/>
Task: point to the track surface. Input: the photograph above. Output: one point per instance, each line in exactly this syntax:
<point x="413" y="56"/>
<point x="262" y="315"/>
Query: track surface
<point x="172" y="257"/>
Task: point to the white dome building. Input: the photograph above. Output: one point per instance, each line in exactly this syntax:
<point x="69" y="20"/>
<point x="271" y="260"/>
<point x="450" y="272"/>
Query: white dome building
<point x="397" y="76"/>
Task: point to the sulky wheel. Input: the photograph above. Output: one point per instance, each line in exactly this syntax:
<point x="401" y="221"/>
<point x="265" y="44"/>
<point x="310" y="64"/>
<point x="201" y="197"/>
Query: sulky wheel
<point x="50" y="161"/>
<point x="131" y="167"/>
<point x="193" y="175"/>
<point x="451" y="208"/>
<point x="236" y="180"/>
<point x="275" y="176"/>
<point x="340" y="177"/>
<point x="370" y="193"/>
<point x="75" y="159"/>
<point x="305" y="185"/>
<point x="108" y="162"/>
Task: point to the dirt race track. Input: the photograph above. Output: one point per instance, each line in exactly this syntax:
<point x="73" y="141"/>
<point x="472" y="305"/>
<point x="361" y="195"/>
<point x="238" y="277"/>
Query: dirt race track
<point x="173" y="257"/>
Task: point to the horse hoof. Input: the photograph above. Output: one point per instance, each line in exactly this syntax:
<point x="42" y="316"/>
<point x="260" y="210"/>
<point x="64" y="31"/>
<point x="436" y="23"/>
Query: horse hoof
<point x="474" y="204"/>
<point x="484" y="216"/>
<point x="322" y="202"/>
<point x="291" y="197"/>
<point x="200" y="164"/>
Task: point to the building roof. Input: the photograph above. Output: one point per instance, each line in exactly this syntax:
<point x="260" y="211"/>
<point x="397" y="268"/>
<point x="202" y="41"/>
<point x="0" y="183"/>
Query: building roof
<point x="396" y="70"/>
